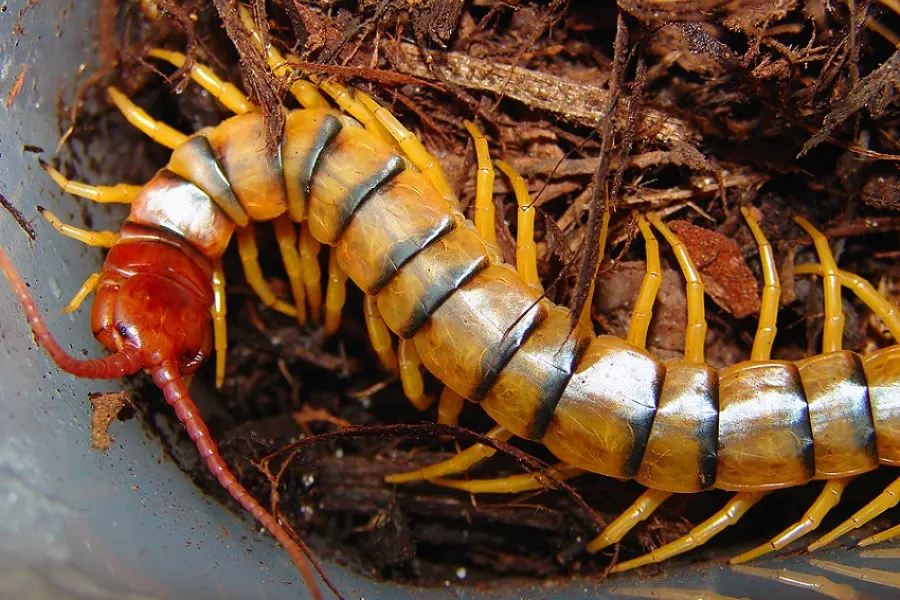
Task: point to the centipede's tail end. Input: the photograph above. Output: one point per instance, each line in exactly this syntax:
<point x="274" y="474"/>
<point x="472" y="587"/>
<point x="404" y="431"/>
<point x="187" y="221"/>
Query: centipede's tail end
<point x="126" y="361"/>
<point x="167" y="377"/>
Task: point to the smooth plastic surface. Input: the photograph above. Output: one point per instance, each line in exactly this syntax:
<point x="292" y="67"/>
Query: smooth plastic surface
<point x="127" y="524"/>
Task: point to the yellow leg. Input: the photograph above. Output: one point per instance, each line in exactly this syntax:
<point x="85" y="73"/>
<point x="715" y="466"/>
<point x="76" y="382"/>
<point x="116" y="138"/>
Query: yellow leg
<point x="832" y="337"/>
<point x="485" y="211"/>
<point x="639" y="510"/>
<point x="699" y="535"/>
<point x="229" y="95"/>
<point x="768" y="312"/>
<point x="464" y="460"/>
<point x="449" y="407"/>
<point x="866" y="292"/>
<point x="379" y="335"/>
<point x="158" y="131"/>
<point x="411" y="375"/>
<point x="695" y="337"/>
<point x="335" y="294"/>
<point x="83" y="292"/>
<point x="642" y="313"/>
<point x="514" y="484"/>
<point x="101" y="239"/>
<point x="312" y="272"/>
<point x="887" y="534"/>
<point x="287" y="243"/>
<point x="828" y="498"/>
<point x="220" y="328"/>
<point x="121" y="193"/>
<point x="305" y="92"/>
<point x="249" y="253"/>
<point x="526" y="251"/>
<point x="423" y="160"/>
<point x="356" y="109"/>
<point x="887" y="499"/>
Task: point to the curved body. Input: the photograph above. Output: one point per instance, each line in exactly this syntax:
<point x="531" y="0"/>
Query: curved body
<point x="597" y="402"/>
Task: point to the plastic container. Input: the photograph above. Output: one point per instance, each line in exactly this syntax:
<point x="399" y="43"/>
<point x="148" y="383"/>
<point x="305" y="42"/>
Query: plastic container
<point x="78" y="523"/>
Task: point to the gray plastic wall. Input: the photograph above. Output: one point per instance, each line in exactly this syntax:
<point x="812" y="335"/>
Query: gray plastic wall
<point x="127" y="524"/>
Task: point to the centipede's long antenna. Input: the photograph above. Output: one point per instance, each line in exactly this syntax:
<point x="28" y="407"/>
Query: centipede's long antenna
<point x="125" y="362"/>
<point x="169" y="380"/>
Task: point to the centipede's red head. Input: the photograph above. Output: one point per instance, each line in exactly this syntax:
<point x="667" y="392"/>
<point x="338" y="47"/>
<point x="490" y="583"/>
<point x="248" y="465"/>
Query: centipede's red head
<point x="152" y="298"/>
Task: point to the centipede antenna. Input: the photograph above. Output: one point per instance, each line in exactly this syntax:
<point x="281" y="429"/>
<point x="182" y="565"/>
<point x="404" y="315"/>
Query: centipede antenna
<point x="126" y="361"/>
<point x="169" y="380"/>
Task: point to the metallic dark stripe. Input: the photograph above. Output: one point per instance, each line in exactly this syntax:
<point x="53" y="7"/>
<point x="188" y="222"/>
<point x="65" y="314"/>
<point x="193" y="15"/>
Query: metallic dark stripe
<point x="197" y="156"/>
<point x="358" y="194"/>
<point x="494" y="361"/>
<point x="404" y="251"/>
<point x="866" y="421"/>
<point x="331" y="126"/>
<point x="450" y="281"/>
<point x="565" y="361"/>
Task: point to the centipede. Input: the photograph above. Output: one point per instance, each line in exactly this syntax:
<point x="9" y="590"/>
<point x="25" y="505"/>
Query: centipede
<point x="347" y="175"/>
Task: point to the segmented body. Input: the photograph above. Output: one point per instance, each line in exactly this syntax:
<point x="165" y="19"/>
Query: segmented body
<point x="597" y="402"/>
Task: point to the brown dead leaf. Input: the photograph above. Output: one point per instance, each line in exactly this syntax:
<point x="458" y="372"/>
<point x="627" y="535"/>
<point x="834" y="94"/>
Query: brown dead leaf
<point x="726" y="276"/>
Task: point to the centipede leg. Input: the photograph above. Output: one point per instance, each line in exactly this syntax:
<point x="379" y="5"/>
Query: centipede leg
<point x="864" y="290"/>
<point x="98" y="239"/>
<point x="220" y="327"/>
<point x="226" y="93"/>
<point x="699" y="535"/>
<point x="513" y="484"/>
<point x="158" y="131"/>
<point x="379" y="335"/>
<point x="768" y="312"/>
<point x="450" y="406"/>
<point x="121" y="193"/>
<point x="335" y="294"/>
<point x="832" y="337"/>
<point x="312" y="272"/>
<point x="642" y="313"/>
<point x="639" y="511"/>
<point x="286" y="237"/>
<point x="89" y="285"/>
<point x="305" y="92"/>
<point x="411" y="375"/>
<point x="249" y="254"/>
<point x="459" y="463"/>
<point x="828" y="498"/>
<point x="485" y="212"/>
<point x="526" y="251"/>
<point x="887" y="534"/>
<point x="695" y="336"/>
<point x="889" y="498"/>
<point x="420" y="157"/>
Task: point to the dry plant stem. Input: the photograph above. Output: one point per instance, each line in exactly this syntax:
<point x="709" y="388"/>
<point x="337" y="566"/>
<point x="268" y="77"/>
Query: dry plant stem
<point x="577" y="102"/>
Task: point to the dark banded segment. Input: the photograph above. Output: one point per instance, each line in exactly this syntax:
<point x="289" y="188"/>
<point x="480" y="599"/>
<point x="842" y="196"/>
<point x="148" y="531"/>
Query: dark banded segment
<point x="173" y="203"/>
<point x="526" y="392"/>
<point x="253" y="170"/>
<point x="421" y="286"/>
<point x="842" y="427"/>
<point x="397" y="222"/>
<point x="478" y="328"/>
<point x="765" y="437"/>
<point x="350" y="168"/>
<point x="306" y="134"/>
<point x="603" y="420"/>
<point x="883" y="377"/>
<point x="681" y="454"/>
<point x="194" y="160"/>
